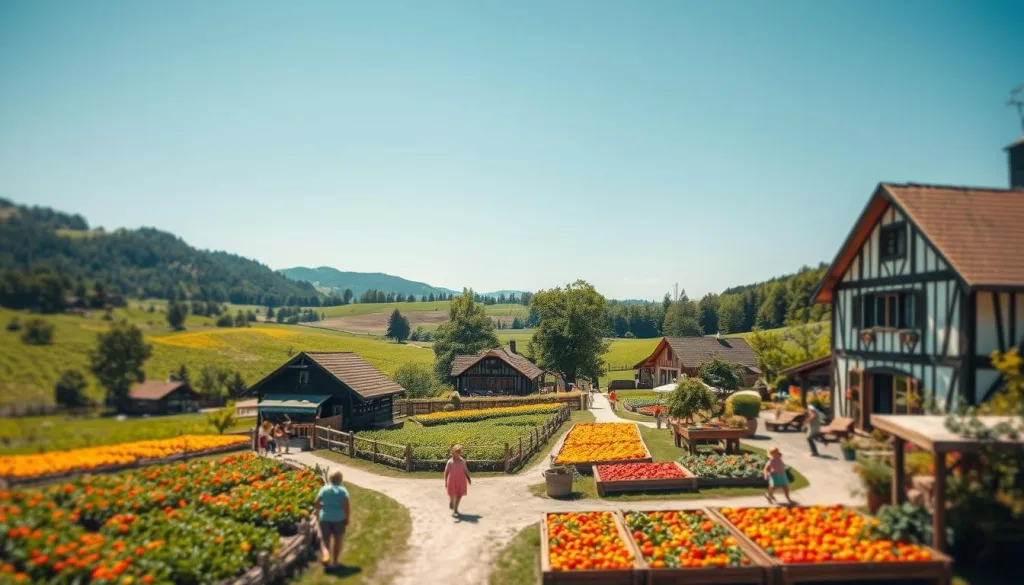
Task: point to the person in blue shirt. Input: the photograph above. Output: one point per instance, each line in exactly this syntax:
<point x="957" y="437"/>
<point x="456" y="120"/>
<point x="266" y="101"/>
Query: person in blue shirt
<point x="333" y="510"/>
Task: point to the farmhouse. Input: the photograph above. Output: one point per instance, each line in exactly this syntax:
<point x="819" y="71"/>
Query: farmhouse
<point x="171" y="397"/>
<point x="496" y="371"/>
<point x="677" y="356"/>
<point x="338" y="389"/>
<point x="929" y="282"/>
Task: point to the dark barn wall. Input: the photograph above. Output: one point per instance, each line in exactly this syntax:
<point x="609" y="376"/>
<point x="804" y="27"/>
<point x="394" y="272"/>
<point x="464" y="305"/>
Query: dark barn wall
<point x="495" y="375"/>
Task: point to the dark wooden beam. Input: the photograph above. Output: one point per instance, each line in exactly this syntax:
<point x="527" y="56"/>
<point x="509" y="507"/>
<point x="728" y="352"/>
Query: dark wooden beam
<point x="939" y="511"/>
<point x="936" y="276"/>
<point x="998" y="309"/>
<point x="904" y="357"/>
<point x="949" y="316"/>
<point x="899" y="494"/>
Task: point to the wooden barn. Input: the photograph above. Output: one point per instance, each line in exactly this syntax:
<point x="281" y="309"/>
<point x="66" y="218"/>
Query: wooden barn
<point x="497" y="371"/>
<point x="339" y="388"/>
<point x="929" y="282"/>
<point x="677" y="356"/>
<point x="170" y="397"/>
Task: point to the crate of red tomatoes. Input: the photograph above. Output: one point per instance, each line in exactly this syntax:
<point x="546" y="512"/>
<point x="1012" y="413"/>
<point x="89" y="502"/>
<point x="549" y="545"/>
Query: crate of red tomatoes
<point x="833" y="544"/>
<point x="587" y="547"/>
<point x="694" y="547"/>
<point x="643" y="477"/>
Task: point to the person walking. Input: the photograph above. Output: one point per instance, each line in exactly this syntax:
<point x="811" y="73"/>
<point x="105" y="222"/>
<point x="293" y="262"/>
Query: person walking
<point x="288" y="431"/>
<point x="456" y="479"/>
<point x="775" y="472"/>
<point x="261" y="438"/>
<point x="814" y="417"/>
<point x="333" y="510"/>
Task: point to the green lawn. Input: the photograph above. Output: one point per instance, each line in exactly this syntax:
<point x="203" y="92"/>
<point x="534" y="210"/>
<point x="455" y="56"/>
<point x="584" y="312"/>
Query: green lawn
<point x="379" y="531"/>
<point x="55" y="433"/>
<point x="626" y="353"/>
<point x="519" y="562"/>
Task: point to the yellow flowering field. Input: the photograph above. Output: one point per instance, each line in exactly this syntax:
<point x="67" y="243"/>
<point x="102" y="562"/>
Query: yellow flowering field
<point x="440" y="418"/>
<point x="209" y="339"/>
<point x="56" y="462"/>
<point x="591" y="442"/>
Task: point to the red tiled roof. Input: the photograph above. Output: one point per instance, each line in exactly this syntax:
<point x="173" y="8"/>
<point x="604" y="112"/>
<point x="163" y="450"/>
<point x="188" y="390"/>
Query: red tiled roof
<point x="353" y="371"/>
<point x="153" y="390"/>
<point x="692" y="351"/>
<point x="517" y="361"/>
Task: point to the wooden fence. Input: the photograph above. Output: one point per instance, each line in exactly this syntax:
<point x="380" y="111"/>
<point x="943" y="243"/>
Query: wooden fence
<point x="483" y="457"/>
<point x="415" y="406"/>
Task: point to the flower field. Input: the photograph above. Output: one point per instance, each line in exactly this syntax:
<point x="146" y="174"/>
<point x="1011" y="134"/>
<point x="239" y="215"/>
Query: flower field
<point x="686" y="539"/>
<point x="441" y="418"/>
<point x="57" y="462"/>
<point x="581" y="541"/>
<point x="149" y="526"/>
<point x="820" y="534"/>
<point x="214" y="338"/>
<point x="640" y="471"/>
<point x="593" y="442"/>
<point x="713" y="465"/>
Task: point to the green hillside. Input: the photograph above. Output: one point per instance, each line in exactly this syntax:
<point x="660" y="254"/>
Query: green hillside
<point x="359" y="282"/>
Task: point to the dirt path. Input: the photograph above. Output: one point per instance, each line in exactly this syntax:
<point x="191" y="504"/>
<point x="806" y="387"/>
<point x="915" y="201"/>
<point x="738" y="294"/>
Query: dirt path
<point x="455" y="552"/>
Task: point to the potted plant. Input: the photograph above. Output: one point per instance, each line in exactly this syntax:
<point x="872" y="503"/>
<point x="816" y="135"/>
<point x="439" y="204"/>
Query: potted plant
<point x="876" y="477"/>
<point x="849" y="449"/>
<point x="747" y="406"/>
<point x="559" y="481"/>
<point x="689" y="398"/>
<point x="867" y="336"/>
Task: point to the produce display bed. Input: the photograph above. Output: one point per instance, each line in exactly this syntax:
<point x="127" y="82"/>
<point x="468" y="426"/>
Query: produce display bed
<point x="632" y="576"/>
<point x="691" y="437"/>
<point x="759" y="572"/>
<point x="937" y="570"/>
<point x="710" y="482"/>
<point x="588" y="466"/>
<point x="604" y="486"/>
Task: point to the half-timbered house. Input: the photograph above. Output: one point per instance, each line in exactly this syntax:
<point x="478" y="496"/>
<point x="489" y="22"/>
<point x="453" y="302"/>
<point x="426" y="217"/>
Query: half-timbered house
<point x="677" y="356"/>
<point x="929" y="282"/>
<point x="496" y="371"/>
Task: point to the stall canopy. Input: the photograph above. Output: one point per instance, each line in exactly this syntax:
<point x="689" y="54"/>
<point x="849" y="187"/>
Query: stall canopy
<point x="292" y="403"/>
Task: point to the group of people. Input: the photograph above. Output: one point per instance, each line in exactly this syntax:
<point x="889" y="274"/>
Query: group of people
<point x="271" y="436"/>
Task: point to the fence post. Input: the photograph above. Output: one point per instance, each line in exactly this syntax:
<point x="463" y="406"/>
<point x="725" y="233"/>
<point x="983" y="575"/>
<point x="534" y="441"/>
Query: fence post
<point x="408" y="457"/>
<point x="352" y="445"/>
<point x="375" y="450"/>
<point x="536" y="437"/>
<point x="520" y="448"/>
<point x="506" y="457"/>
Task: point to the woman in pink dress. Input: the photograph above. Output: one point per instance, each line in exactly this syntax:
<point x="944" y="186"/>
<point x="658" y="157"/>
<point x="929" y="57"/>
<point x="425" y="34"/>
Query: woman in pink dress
<point x="456" y="479"/>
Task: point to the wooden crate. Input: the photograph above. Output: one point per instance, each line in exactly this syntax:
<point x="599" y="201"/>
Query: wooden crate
<point x="637" y="575"/>
<point x="710" y="482"/>
<point x="938" y="570"/>
<point x="588" y="466"/>
<point x="759" y="572"/>
<point x="645" y="485"/>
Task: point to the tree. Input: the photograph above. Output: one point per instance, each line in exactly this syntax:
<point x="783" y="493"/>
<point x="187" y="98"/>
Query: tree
<point x="682" y="319"/>
<point x="117" y="361"/>
<point x="417" y="379"/>
<point x="807" y="339"/>
<point x="240" y="320"/>
<point x="666" y="302"/>
<point x="773" y="309"/>
<point x="346" y="296"/>
<point x="769" y="347"/>
<point x="468" y="331"/>
<point x="719" y="373"/>
<point x="37" y="332"/>
<point x="730" y="313"/>
<point x="181" y="374"/>
<point x="708" y="309"/>
<point x="213" y="381"/>
<point x="237" y="385"/>
<point x="270" y="313"/>
<point x="226" y="321"/>
<point x="176" y="313"/>
<point x="70" y="390"/>
<point x="222" y="419"/>
<point x="570" y="337"/>
<point x="690" y="398"/>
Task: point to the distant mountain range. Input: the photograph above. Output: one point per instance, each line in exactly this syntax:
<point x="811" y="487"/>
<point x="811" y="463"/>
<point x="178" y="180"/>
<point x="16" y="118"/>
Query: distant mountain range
<point x="333" y="281"/>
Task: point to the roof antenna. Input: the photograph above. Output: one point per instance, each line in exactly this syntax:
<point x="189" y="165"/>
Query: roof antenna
<point x="1017" y="99"/>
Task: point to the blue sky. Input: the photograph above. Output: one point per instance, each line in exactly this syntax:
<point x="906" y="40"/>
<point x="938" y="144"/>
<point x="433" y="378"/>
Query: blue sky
<point x="504" y="144"/>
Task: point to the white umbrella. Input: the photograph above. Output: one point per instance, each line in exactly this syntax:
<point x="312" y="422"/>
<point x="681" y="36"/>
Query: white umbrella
<point x="665" y="388"/>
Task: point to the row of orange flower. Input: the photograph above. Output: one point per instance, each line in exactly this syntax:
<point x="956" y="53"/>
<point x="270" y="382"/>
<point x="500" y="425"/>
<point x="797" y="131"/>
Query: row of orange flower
<point x="591" y="442"/>
<point x="90" y="458"/>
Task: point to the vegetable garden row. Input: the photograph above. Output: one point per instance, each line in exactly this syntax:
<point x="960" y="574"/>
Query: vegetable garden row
<point x="198" y="523"/>
<point x="821" y="544"/>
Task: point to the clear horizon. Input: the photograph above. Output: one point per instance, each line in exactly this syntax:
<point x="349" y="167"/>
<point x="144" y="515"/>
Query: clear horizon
<point x="504" y="146"/>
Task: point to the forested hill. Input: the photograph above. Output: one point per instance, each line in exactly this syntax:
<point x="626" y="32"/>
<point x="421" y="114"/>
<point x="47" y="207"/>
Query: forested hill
<point x="332" y="280"/>
<point x="142" y="262"/>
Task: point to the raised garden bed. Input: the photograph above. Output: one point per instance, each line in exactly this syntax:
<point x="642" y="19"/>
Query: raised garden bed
<point x="622" y="440"/>
<point x="557" y="535"/>
<point x="856" y="560"/>
<point x="715" y="470"/>
<point x="692" y="436"/>
<point x="645" y="477"/>
<point x="693" y="547"/>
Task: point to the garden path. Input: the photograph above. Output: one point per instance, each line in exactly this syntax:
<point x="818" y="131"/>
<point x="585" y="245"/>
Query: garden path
<point x="445" y="550"/>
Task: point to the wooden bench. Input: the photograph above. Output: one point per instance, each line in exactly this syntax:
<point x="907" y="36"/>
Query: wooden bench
<point x="839" y="428"/>
<point x="787" y="421"/>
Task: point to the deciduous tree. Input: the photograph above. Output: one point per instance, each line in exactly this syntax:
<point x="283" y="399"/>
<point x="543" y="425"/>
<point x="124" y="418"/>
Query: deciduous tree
<point x="468" y="331"/>
<point x="570" y="336"/>
<point x="70" y="390"/>
<point x="176" y="313"/>
<point x="117" y="361"/>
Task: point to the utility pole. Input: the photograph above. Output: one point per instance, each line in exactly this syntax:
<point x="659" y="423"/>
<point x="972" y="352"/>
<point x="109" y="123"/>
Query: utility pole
<point x="1017" y="99"/>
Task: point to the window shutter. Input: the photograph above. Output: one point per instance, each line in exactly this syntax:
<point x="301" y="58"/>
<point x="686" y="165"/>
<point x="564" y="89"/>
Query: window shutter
<point x="920" y="311"/>
<point x="857" y="322"/>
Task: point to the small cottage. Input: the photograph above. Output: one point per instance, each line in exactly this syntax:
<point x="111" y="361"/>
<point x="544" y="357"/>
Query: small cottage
<point x="170" y="397"/>
<point x="678" y="356"/>
<point x="340" y="386"/>
<point x="496" y="372"/>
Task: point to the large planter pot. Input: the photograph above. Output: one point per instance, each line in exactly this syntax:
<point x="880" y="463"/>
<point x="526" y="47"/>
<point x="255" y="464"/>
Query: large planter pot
<point x="875" y="501"/>
<point x="751" y="428"/>
<point x="850" y="454"/>
<point x="559" y="482"/>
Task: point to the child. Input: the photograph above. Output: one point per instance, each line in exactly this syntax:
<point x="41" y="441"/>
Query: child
<point x="333" y="509"/>
<point x="456" y="479"/>
<point x="271" y="441"/>
<point x="775" y="473"/>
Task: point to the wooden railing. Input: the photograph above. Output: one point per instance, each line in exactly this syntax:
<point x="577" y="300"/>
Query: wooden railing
<point x="479" y="457"/>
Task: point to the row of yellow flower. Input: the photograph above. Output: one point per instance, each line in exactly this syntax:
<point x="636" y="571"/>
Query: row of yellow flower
<point x="589" y="442"/>
<point x="440" y="418"/>
<point x="30" y="466"/>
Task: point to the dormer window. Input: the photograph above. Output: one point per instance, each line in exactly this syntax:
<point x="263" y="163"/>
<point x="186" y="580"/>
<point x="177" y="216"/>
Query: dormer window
<point x="893" y="241"/>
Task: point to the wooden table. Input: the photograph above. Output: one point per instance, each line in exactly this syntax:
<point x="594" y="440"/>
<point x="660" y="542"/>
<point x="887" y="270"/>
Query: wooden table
<point x="731" y="437"/>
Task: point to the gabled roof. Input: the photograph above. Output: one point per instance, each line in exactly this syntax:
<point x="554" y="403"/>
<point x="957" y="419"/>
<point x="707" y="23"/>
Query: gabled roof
<point x="692" y="351"/>
<point x="808" y="366"/>
<point x="979" y="232"/>
<point x="517" y="361"/>
<point x="353" y="371"/>
<point x="154" y="390"/>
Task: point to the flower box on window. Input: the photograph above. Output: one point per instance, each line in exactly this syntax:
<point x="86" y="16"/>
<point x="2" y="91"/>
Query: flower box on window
<point x="909" y="337"/>
<point x="867" y="337"/>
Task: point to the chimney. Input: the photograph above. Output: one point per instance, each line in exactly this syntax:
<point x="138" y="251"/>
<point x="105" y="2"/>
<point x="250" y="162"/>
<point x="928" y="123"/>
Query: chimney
<point x="1016" y="155"/>
<point x="512" y="346"/>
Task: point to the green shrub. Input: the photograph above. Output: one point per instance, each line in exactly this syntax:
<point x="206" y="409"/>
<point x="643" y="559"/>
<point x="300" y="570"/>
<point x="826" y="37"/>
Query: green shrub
<point x="745" y="405"/>
<point x="689" y="398"/>
<point x="14" y="325"/>
<point x="37" y="332"/>
<point x="417" y="379"/>
<point x="456" y="399"/>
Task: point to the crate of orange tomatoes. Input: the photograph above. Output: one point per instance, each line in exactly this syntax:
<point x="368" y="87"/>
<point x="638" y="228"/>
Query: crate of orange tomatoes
<point x="643" y="477"/>
<point x="693" y="547"/>
<point x="587" y="547"/>
<point x="833" y="544"/>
